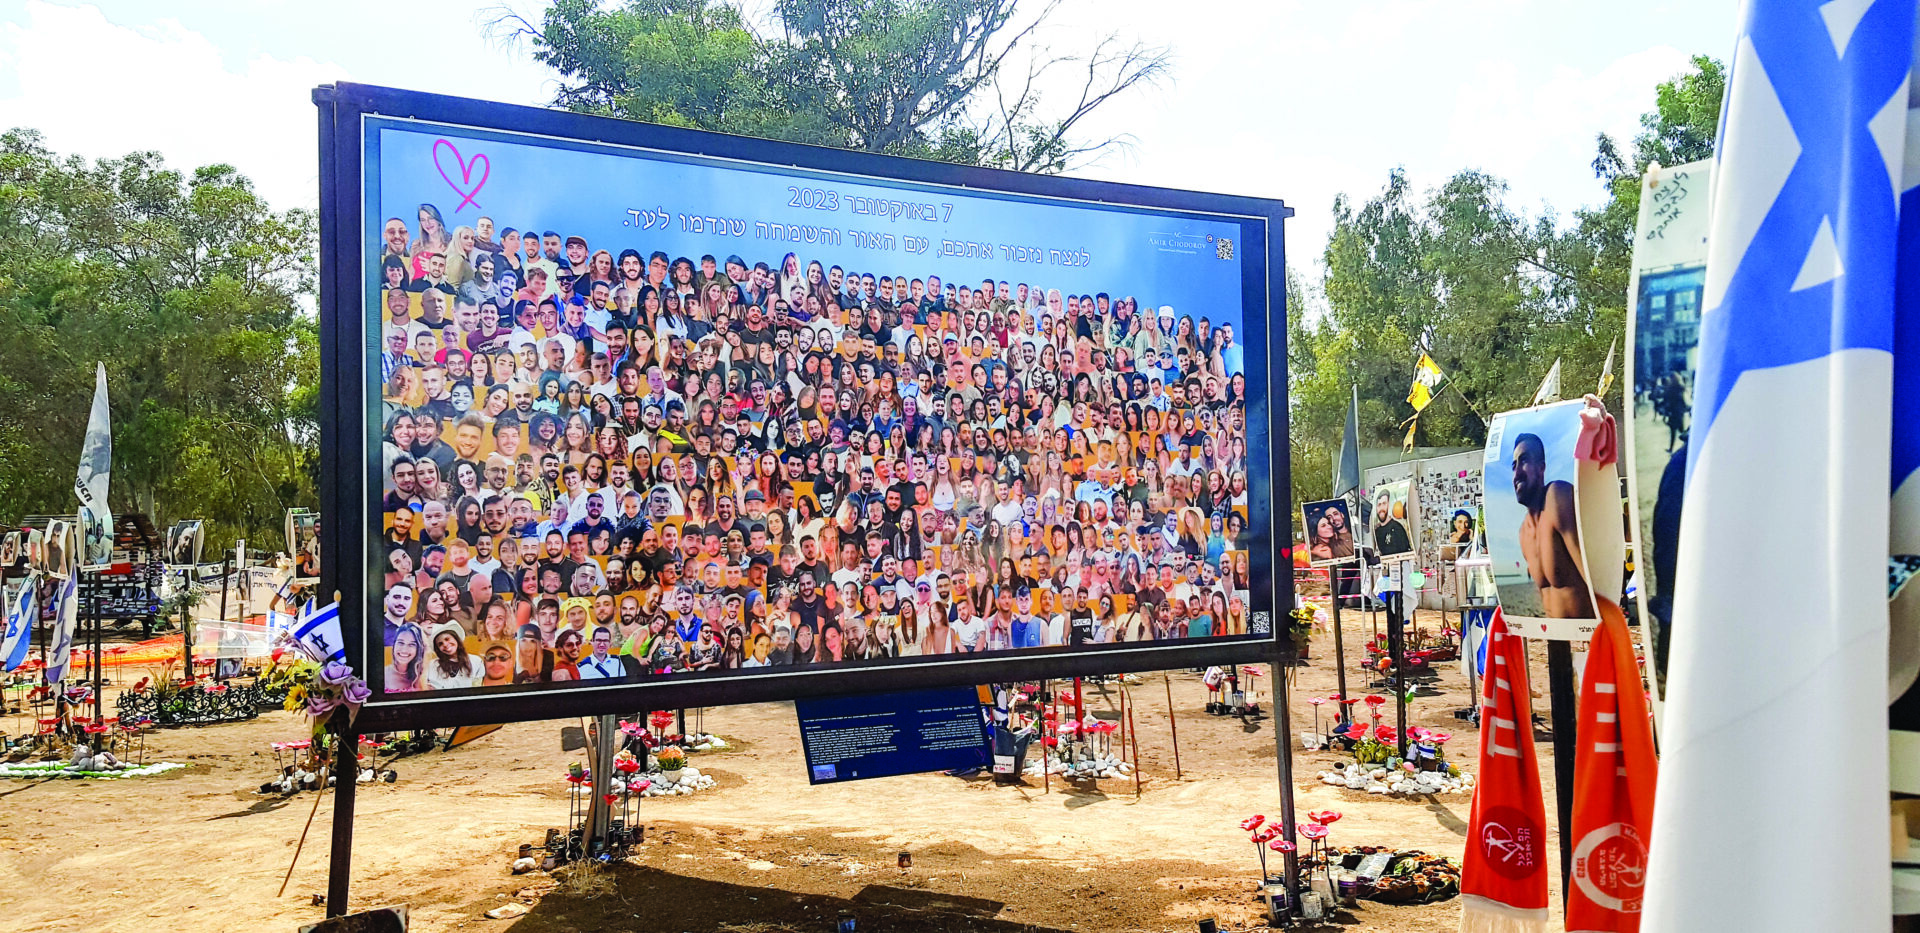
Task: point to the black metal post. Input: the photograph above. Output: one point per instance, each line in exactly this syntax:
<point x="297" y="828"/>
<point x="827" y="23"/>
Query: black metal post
<point x="1397" y="656"/>
<point x="346" y="769"/>
<point x="1339" y="642"/>
<point x="98" y="668"/>
<point x="1283" y="763"/>
<point x="1565" y="718"/>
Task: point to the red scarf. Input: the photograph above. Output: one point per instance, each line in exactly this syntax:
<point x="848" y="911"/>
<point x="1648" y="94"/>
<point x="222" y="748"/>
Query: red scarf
<point x="1504" y="878"/>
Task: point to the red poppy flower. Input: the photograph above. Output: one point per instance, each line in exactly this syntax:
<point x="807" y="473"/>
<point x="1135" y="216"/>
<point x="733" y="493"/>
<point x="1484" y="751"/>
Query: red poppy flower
<point x="1252" y="823"/>
<point x="1281" y="845"/>
<point x="1325" y="817"/>
<point x="1313" y="831"/>
<point x="1385" y="733"/>
<point x="1271" y="831"/>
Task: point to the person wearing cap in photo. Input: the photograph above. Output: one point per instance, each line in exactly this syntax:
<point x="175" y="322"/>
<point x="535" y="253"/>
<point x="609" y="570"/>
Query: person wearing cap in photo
<point x="533" y="662"/>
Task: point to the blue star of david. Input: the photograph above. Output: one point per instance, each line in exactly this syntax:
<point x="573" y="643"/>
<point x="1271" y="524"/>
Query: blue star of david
<point x="1840" y="177"/>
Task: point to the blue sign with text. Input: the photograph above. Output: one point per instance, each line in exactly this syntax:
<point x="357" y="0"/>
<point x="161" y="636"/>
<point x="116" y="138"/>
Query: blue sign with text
<point x="881" y="735"/>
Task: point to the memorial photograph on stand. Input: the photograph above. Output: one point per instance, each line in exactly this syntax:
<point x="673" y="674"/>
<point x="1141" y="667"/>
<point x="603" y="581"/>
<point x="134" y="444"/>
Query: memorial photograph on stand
<point x="1329" y="531"/>
<point x="1532" y="522"/>
<point x="792" y="420"/>
<point x="1392" y="519"/>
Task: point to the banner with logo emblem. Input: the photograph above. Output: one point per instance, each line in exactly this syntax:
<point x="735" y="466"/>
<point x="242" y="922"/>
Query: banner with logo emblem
<point x="1503" y="881"/>
<point x="1614" y="774"/>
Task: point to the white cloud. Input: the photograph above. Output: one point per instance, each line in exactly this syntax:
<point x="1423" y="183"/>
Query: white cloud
<point x="101" y="90"/>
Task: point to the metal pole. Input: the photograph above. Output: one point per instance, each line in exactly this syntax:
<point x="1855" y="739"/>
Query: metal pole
<point x="602" y="814"/>
<point x="346" y="769"/>
<point x="1046" y="759"/>
<point x="1397" y="656"/>
<point x="1565" y="714"/>
<point x="1339" y="642"/>
<point x="226" y="572"/>
<point x="1173" y="725"/>
<point x="98" y="667"/>
<point x="241" y="579"/>
<point x="1283" y="762"/>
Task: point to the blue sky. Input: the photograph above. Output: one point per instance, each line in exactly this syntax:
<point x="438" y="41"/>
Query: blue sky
<point x="1286" y="98"/>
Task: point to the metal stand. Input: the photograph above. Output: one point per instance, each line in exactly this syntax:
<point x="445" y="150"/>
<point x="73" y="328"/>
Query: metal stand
<point x="1339" y="640"/>
<point x="1565" y="724"/>
<point x="1397" y="656"/>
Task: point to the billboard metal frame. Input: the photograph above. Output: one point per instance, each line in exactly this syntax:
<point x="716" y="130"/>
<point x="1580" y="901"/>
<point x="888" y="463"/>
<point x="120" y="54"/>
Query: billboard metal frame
<point x="346" y="473"/>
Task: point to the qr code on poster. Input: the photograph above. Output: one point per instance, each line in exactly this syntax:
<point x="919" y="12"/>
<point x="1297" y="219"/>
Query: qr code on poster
<point x="1262" y="623"/>
<point x="1223" y="248"/>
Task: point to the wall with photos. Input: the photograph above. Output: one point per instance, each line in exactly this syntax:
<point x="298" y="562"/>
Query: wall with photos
<point x="1442" y="487"/>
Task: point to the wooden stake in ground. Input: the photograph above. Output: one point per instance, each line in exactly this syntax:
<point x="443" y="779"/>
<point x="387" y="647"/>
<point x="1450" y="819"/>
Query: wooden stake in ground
<point x="1171" y="724"/>
<point x="303" y="831"/>
<point x="1128" y="703"/>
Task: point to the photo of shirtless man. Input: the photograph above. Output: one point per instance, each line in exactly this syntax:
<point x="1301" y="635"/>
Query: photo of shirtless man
<point x="1549" y="535"/>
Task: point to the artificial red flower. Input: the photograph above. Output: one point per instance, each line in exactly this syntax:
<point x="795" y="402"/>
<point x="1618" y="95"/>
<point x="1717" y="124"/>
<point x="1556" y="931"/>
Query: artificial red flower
<point x="1252" y="823"/>
<point x="1325" y="817"/>
<point x="1313" y="831"/>
<point x="1281" y="845"/>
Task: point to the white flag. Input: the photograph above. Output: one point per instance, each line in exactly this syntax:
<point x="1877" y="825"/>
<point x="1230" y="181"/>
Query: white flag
<point x="1549" y="390"/>
<point x="96" y="462"/>
<point x="23" y="610"/>
<point x="1780" y="597"/>
<point x="66" y="618"/>
<point x="318" y="633"/>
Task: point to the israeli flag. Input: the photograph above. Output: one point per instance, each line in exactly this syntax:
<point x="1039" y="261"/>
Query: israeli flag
<point x="1780" y="606"/>
<point x="317" y="632"/>
<point x="66" y="618"/>
<point x="22" y="611"/>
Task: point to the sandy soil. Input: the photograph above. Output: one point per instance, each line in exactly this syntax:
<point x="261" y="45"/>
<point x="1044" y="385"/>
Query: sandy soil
<point x="764" y="851"/>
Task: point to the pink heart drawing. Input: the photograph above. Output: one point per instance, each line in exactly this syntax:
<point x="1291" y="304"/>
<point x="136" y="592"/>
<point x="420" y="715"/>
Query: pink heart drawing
<point x="467" y="167"/>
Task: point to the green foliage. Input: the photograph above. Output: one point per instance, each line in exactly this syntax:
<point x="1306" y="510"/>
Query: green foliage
<point x="933" y="79"/>
<point x="1492" y="295"/>
<point x="187" y="289"/>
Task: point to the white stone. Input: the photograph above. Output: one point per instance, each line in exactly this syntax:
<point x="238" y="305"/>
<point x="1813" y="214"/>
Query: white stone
<point x="1376" y="788"/>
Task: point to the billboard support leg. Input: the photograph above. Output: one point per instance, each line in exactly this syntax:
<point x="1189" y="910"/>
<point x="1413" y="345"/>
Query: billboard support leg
<point x="346" y="769"/>
<point x="602" y="812"/>
<point x="1283" y="762"/>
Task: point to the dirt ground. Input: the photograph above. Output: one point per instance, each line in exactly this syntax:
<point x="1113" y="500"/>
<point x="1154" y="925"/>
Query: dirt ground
<point x="763" y="852"/>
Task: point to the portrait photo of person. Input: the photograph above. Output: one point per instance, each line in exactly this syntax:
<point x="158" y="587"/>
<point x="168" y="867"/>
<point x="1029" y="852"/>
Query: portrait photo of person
<point x="57" y="553"/>
<point x="1390" y="520"/>
<point x="184" y="541"/>
<point x="1329" y="532"/>
<point x="1532" y="531"/>
<point x="610" y="453"/>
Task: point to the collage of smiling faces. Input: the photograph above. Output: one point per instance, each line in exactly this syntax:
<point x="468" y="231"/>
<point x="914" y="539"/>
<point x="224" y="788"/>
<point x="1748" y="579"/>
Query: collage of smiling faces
<point x="605" y="462"/>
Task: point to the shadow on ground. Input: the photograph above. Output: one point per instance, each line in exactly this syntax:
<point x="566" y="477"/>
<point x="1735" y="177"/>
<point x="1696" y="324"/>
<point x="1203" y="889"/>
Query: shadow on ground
<point x="649" y="899"/>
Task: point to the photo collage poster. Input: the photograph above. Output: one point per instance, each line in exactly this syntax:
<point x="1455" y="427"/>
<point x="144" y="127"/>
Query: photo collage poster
<point x="649" y="415"/>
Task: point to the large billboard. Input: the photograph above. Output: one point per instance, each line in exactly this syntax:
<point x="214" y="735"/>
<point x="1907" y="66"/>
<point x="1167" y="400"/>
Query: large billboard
<point x="629" y="415"/>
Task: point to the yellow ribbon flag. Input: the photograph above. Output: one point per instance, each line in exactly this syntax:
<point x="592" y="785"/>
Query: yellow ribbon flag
<point x="1426" y="378"/>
